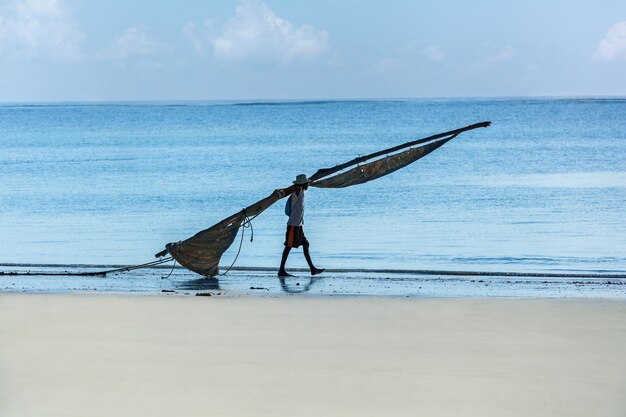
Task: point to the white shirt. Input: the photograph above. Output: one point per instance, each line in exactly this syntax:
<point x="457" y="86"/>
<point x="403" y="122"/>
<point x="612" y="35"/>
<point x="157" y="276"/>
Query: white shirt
<point x="297" y="209"/>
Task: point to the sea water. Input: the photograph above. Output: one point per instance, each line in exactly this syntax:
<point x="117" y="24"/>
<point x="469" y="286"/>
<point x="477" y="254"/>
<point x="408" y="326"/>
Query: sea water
<point x="543" y="189"/>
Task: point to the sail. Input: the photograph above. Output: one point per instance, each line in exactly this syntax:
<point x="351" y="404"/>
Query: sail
<point x="202" y="252"/>
<point x="324" y="172"/>
<point x="379" y="168"/>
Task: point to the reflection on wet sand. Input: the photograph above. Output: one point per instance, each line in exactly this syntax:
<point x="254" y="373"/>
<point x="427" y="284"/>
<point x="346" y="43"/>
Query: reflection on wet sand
<point x="297" y="288"/>
<point x="201" y="284"/>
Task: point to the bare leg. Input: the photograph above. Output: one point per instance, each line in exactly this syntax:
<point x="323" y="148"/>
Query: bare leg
<point x="307" y="255"/>
<point x="283" y="261"/>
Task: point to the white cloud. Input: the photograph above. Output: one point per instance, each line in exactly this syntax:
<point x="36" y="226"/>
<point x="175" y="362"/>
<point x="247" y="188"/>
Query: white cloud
<point x="505" y="54"/>
<point x="431" y="52"/>
<point x="190" y="32"/>
<point x="133" y="42"/>
<point x="614" y="43"/>
<point x="410" y="54"/>
<point x="256" y="33"/>
<point x="387" y="64"/>
<point x="435" y="53"/>
<point x="199" y="36"/>
<point x="38" y="29"/>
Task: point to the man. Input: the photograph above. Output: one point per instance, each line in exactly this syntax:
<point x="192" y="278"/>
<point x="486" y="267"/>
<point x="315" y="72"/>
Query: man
<point x="295" y="234"/>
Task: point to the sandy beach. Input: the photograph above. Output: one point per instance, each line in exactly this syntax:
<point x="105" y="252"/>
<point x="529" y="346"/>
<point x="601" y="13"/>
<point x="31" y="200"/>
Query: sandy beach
<point x="114" y="355"/>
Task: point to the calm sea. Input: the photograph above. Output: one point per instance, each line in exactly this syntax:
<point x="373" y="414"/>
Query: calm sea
<point x="542" y="189"/>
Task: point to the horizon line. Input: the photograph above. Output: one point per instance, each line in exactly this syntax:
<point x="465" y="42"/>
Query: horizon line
<point x="308" y="100"/>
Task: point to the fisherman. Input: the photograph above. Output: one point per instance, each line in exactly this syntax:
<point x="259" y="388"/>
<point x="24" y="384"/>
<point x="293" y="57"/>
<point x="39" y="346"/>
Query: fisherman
<point x="295" y="234"/>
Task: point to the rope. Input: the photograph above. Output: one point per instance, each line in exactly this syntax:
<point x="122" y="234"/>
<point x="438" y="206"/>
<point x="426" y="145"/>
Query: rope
<point x="96" y="273"/>
<point x="170" y="274"/>
<point x="247" y="223"/>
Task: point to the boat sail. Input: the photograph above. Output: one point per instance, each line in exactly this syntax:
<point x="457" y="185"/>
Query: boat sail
<point x="202" y="252"/>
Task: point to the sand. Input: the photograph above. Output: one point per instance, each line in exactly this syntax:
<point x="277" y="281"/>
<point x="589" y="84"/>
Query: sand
<point x="111" y="355"/>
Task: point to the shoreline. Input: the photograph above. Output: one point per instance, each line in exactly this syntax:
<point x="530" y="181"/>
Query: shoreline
<point x="245" y="282"/>
<point x="20" y="267"/>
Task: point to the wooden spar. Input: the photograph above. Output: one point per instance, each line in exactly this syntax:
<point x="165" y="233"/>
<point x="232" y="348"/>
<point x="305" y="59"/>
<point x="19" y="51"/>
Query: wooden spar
<point x="324" y="172"/>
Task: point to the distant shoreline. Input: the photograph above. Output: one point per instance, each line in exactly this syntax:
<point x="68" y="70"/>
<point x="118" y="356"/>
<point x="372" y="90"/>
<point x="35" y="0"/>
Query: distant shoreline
<point x="281" y="101"/>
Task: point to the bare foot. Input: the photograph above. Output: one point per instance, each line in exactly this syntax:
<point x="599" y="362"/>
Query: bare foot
<point x="317" y="271"/>
<point x="284" y="274"/>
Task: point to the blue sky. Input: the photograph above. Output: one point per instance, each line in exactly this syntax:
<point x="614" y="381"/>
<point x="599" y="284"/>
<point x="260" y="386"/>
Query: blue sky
<point x="82" y="50"/>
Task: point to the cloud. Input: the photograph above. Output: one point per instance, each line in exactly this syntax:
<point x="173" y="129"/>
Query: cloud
<point x="408" y="55"/>
<point x="199" y="37"/>
<point x="256" y="33"/>
<point x="614" y="43"/>
<point x="431" y="52"/>
<point x="190" y="32"/>
<point x="387" y="64"/>
<point x="133" y="42"/>
<point x="38" y="29"/>
<point x="435" y="53"/>
<point x="503" y="55"/>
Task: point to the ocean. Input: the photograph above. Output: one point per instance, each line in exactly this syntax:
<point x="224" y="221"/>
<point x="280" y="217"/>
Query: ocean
<point x="541" y="190"/>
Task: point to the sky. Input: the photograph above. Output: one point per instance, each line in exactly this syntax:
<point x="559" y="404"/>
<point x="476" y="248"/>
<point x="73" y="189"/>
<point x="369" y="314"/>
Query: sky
<point x="128" y="50"/>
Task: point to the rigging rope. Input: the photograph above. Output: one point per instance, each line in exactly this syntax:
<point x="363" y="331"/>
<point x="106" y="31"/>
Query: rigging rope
<point x="247" y="223"/>
<point x="96" y="273"/>
<point x="170" y="274"/>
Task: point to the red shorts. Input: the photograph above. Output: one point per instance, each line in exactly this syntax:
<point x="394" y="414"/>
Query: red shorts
<point x="294" y="237"/>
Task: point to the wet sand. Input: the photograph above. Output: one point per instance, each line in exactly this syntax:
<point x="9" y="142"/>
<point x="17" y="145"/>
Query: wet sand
<point x="120" y="355"/>
<point x="263" y="282"/>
